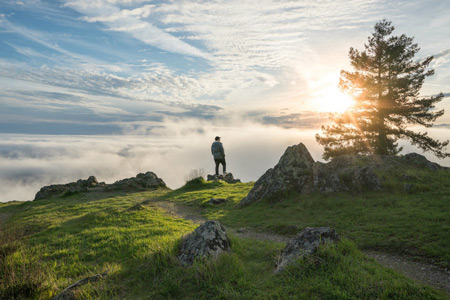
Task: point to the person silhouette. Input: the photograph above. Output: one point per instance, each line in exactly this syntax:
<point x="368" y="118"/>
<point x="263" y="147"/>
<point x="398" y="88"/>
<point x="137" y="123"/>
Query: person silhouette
<point x="219" y="155"/>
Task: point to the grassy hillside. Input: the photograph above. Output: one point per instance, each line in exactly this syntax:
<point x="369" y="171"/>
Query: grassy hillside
<point x="394" y="220"/>
<point x="47" y="245"/>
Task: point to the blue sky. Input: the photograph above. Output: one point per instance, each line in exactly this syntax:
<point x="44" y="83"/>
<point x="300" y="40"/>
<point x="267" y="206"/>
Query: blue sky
<point x="106" y="66"/>
<point x="188" y="70"/>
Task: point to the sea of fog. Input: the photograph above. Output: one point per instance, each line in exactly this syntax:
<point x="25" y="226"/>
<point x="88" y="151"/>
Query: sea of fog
<point x="28" y="162"/>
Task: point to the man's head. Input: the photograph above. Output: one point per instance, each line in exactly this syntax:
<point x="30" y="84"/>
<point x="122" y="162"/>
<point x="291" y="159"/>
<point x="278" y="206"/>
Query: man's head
<point x="217" y="138"/>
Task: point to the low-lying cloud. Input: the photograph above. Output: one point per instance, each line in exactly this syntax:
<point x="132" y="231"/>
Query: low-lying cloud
<point x="29" y="162"/>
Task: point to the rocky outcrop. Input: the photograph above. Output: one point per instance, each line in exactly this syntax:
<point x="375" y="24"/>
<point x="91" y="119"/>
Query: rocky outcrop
<point x="230" y="179"/>
<point x="296" y="171"/>
<point x="292" y="172"/>
<point x="421" y="161"/>
<point x="206" y="241"/>
<point x="148" y="180"/>
<point x="227" y="178"/>
<point x="142" y="181"/>
<point x="72" y="187"/>
<point x="306" y="243"/>
<point x="343" y="173"/>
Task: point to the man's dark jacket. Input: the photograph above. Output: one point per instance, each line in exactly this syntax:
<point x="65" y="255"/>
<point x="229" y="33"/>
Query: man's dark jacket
<point x="217" y="150"/>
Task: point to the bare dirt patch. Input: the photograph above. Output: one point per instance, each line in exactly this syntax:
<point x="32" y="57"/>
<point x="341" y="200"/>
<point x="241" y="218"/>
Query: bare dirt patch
<point x="427" y="273"/>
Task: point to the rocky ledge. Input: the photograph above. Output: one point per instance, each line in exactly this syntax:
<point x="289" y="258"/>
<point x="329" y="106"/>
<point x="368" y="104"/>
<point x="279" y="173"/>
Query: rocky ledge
<point x="142" y="181"/>
<point x="228" y="178"/>
<point x="297" y="171"/>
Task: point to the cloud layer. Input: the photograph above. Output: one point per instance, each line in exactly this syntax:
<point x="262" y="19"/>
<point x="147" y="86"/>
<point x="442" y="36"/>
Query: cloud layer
<point x="30" y="162"/>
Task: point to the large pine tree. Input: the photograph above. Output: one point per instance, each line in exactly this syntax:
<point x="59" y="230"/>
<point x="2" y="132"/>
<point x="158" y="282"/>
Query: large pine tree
<point x="385" y="85"/>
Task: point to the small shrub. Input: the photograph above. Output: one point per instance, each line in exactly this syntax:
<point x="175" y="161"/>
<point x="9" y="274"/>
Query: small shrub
<point x="194" y="173"/>
<point x="195" y="183"/>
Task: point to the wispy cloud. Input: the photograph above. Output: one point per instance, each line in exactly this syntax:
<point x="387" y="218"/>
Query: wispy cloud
<point x="441" y="58"/>
<point x="130" y="21"/>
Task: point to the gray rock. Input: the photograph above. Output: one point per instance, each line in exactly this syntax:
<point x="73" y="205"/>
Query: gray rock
<point x="72" y="187"/>
<point x="217" y="200"/>
<point x="212" y="177"/>
<point x="296" y="171"/>
<point x="292" y="172"/>
<point x="92" y="181"/>
<point x="305" y="244"/>
<point x="230" y="179"/>
<point x="148" y="180"/>
<point x="364" y="178"/>
<point x="421" y="161"/>
<point x="227" y="178"/>
<point x="206" y="241"/>
<point x="344" y="173"/>
<point x="142" y="181"/>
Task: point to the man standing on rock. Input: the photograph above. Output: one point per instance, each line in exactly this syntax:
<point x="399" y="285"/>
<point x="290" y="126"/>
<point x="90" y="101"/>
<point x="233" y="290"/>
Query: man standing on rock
<point x="219" y="155"/>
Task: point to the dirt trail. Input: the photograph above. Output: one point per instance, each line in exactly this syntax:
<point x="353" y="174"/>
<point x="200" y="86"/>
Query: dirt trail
<point x="427" y="273"/>
<point x="430" y="274"/>
<point x="192" y="214"/>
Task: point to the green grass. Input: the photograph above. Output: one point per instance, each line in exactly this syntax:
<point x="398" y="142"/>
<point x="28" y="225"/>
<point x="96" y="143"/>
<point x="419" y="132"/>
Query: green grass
<point x="395" y="220"/>
<point x="47" y="245"/>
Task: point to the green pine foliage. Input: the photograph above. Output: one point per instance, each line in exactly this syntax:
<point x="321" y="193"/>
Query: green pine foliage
<point x="385" y="85"/>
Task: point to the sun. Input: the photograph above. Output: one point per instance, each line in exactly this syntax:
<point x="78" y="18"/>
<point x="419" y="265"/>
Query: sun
<point x="333" y="100"/>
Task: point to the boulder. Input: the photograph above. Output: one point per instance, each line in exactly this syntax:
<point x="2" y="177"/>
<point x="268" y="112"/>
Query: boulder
<point x="296" y="171"/>
<point x="292" y="172"/>
<point x="72" y="187"/>
<point x="364" y="178"/>
<point x="148" y="180"/>
<point x="50" y="191"/>
<point x="210" y="177"/>
<point x="92" y="181"/>
<point x="305" y="244"/>
<point x="228" y="177"/>
<point x="206" y="241"/>
<point x="217" y="200"/>
<point x="421" y="161"/>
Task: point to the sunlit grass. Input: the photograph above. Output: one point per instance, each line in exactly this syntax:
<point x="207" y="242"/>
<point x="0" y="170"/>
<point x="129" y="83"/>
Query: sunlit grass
<point x="394" y="219"/>
<point x="47" y="245"/>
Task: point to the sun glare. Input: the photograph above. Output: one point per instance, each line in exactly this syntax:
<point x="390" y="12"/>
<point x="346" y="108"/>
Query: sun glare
<point x="333" y="100"/>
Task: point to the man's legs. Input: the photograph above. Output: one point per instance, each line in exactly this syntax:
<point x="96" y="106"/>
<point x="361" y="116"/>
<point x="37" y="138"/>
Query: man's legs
<point x="224" y="165"/>
<point x="217" y="161"/>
